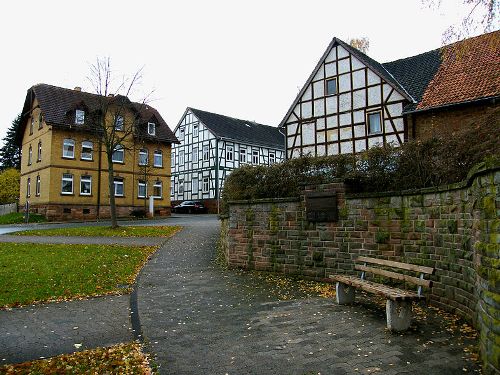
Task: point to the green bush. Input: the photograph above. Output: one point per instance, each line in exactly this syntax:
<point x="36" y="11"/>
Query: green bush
<point x="414" y="165"/>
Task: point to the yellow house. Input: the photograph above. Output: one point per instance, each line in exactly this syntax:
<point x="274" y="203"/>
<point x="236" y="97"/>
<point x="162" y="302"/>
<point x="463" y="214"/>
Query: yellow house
<point x="64" y="166"/>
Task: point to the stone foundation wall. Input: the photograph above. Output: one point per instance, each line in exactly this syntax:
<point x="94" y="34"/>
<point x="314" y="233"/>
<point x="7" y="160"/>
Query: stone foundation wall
<point x="455" y="229"/>
<point x="60" y="212"/>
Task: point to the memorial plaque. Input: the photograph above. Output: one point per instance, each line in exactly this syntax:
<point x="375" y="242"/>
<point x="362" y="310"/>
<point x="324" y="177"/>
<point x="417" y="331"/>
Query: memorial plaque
<point x="321" y="206"/>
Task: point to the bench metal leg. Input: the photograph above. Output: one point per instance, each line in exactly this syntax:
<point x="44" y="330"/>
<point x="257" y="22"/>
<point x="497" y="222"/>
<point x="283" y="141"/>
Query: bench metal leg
<point x="345" y="294"/>
<point x="398" y="315"/>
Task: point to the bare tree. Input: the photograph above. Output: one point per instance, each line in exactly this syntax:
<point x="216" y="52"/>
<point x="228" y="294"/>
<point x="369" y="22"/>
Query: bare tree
<point x="362" y="43"/>
<point x="481" y="17"/>
<point x="115" y="119"/>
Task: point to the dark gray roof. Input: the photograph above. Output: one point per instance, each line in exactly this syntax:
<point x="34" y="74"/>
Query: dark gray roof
<point x="57" y="104"/>
<point x="415" y="73"/>
<point x="241" y="130"/>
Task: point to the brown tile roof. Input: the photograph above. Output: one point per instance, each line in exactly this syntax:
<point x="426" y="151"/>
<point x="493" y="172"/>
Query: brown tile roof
<point x="469" y="71"/>
<point x="57" y="103"/>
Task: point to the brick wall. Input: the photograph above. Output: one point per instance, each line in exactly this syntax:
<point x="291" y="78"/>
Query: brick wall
<point x="445" y="121"/>
<point x="455" y="229"/>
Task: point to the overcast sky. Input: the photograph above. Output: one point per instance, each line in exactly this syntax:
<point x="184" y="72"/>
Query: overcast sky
<point x="246" y="59"/>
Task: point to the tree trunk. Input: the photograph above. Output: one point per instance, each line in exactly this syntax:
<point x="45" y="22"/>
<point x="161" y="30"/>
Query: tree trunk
<point x="111" y="184"/>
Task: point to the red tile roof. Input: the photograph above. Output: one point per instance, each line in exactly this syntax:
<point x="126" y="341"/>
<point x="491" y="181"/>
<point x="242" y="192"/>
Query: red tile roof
<point x="470" y="70"/>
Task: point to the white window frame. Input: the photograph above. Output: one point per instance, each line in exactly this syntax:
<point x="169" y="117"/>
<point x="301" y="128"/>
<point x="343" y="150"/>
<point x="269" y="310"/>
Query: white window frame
<point x="206" y="153"/>
<point x="243" y="155"/>
<point x="28" y="187"/>
<point x="65" y="178"/>
<point x="118" y="181"/>
<point x="181" y="186"/>
<point x="195" y="155"/>
<point x="119" y="123"/>
<point x="195" y="130"/>
<point x="272" y="158"/>
<point x="30" y="155"/>
<point x="158" y="156"/>
<point x="79" y="117"/>
<point x="195" y="185"/>
<point x="229" y="153"/>
<point x="151" y="128"/>
<point x="172" y="160"/>
<point x="327" y="93"/>
<point x="142" y="185"/>
<point x="38" y="186"/>
<point x="69" y="148"/>
<point x="85" y="154"/>
<point x="182" y="132"/>
<point x="86" y="179"/>
<point x="158" y="184"/>
<point x="368" y="122"/>
<point x="143" y="156"/>
<point x="39" y="153"/>
<point x="119" y="150"/>
<point x="255" y="157"/>
<point x="181" y="158"/>
<point x="206" y="185"/>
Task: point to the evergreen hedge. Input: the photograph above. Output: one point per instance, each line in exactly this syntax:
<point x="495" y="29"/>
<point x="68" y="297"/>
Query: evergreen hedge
<point x="415" y="164"/>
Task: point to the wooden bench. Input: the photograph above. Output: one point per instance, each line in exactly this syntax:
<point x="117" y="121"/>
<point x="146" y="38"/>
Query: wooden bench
<point x="398" y="305"/>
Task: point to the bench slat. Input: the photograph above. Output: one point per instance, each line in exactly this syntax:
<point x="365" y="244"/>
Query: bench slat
<point x="394" y="275"/>
<point x="404" y="266"/>
<point x="394" y="294"/>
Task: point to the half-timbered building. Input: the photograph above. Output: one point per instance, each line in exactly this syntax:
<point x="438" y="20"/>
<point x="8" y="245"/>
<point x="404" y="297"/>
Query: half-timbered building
<point x="211" y="146"/>
<point x="351" y="102"/>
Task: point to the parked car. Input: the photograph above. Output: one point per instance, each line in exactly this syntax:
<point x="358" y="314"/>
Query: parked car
<point x="190" y="207"/>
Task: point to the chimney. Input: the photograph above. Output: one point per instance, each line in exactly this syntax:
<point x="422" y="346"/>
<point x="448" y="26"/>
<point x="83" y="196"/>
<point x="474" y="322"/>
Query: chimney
<point x="78" y="88"/>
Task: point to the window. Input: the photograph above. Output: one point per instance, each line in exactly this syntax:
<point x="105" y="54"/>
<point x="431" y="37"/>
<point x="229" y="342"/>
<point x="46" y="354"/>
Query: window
<point x="119" y="123"/>
<point x="229" y="153"/>
<point x="157" y="189"/>
<point x="195" y="155"/>
<point x="331" y="86"/>
<point x="206" y="153"/>
<point x="67" y="183"/>
<point x="181" y="132"/>
<point x="181" y="157"/>
<point x="194" y="185"/>
<point x="243" y="156"/>
<point x="28" y="188"/>
<point x="40" y="120"/>
<point x="181" y="186"/>
<point x="205" y="184"/>
<point x="79" y="117"/>
<point x="142" y="189"/>
<point x="374" y="122"/>
<point x="118" y="154"/>
<point x="30" y="155"/>
<point x="143" y="156"/>
<point x="172" y="160"/>
<point x="69" y="148"/>
<point x="158" y="159"/>
<point x="255" y="157"/>
<point x="39" y="153"/>
<point x="272" y="158"/>
<point x="85" y="185"/>
<point x="151" y="128"/>
<point x="118" y="183"/>
<point x="32" y="124"/>
<point x="195" y="130"/>
<point x="87" y="148"/>
<point x="37" y="186"/>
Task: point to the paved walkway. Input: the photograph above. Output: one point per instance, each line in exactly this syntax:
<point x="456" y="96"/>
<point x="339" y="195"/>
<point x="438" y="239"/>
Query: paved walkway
<point x="197" y="319"/>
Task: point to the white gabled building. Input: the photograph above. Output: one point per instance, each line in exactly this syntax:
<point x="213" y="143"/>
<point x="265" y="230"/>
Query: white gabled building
<point x="349" y="103"/>
<point x="211" y="146"/>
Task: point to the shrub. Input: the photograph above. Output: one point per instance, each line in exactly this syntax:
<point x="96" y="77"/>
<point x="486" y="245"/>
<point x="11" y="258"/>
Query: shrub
<point x="416" y="164"/>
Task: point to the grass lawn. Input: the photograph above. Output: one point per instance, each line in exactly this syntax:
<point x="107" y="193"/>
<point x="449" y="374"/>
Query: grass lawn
<point x="18" y="218"/>
<point x="41" y="272"/>
<point x="159" y="231"/>
<point x="117" y="359"/>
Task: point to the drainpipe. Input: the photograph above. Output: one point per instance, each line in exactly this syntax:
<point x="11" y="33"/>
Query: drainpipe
<point x="99" y="180"/>
<point x="217" y="172"/>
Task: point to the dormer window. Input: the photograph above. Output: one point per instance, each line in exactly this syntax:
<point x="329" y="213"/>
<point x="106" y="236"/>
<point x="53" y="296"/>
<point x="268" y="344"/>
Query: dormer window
<point x="151" y="128"/>
<point x="79" y="117"/>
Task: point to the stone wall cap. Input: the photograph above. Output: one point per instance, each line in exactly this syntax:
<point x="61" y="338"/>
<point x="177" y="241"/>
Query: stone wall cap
<point x="265" y="200"/>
